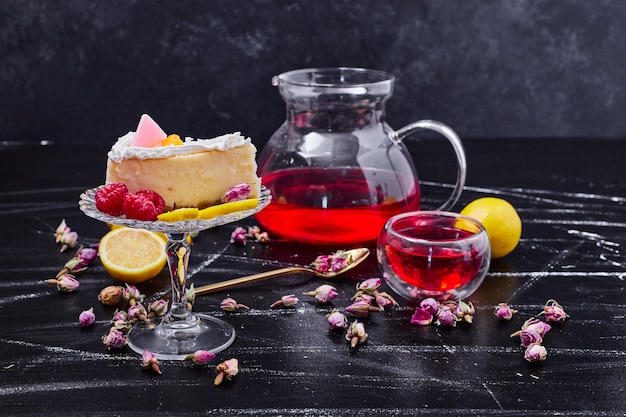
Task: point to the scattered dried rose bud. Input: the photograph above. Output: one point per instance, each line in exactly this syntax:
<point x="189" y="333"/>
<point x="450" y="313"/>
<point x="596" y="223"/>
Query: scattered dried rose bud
<point x="262" y="237"/>
<point x="536" y="325"/>
<point x="554" y="312"/>
<point x="285" y="301"/>
<point x="333" y="262"/>
<point x="383" y="300"/>
<point x="115" y="339"/>
<point x="149" y="361"/>
<point x="362" y="308"/>
<point x="190" y="296"/>
<point x="86" y="318"/>
<point x="464" y="311"/>
<point x="61" y="229"/>
<point x="64" y="283"/>
<point x="200" y="357"/>
<point x="227" y="369"/>
<point x="230" y="304"/>
<point x="132" y="295"/>
<point x="239" y="236"/>
<point x="430" y="305"/>
<point x="504" y="312"/>
<point x="535" y="353"/>
<point x="422" y="316"/>
<point x="323" y="294"/>
<point x="529" y="337"/>
<point x="445" y="317"/>
<point x="64" y="235"/>
<point x="137" y="313"/>
<point x="236" y="193"/>
<point x="111" y="295"/>
<point x="336" y="319"/>
<point x="81" y="260"/>
<point x="157" y="308"/>
<point x="369" y="286"/>
<point x="356" y="333"/>
<point x="121" y="322"/>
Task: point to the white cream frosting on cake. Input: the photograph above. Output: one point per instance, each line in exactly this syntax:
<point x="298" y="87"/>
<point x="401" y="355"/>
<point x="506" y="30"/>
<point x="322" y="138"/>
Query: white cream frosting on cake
<point x="194" y="174"/>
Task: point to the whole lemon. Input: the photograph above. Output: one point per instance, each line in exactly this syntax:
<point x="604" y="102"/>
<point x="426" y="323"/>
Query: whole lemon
<point x="501" y="221"/>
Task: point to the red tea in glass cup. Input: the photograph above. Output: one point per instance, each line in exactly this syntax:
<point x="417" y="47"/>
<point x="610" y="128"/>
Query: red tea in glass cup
<point x="433" y="254"/>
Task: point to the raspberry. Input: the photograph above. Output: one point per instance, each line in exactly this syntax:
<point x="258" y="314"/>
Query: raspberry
<point x="155" y="198"/>
<point x="139" y="207"/>
<point x="109" y="198"/>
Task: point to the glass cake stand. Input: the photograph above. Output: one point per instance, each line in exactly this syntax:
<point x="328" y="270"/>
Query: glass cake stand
<point x="181" y="331"/>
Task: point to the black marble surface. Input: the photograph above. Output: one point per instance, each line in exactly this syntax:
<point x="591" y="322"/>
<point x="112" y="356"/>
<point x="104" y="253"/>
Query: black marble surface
<point x="82" y="70"/>
<point x="570" y="194"/>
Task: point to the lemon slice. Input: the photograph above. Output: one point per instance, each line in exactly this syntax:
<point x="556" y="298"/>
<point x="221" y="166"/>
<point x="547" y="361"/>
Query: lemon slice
<point x="181" y="214"/>
<point x="132" y="255"/>
<point x="227" y="208"/>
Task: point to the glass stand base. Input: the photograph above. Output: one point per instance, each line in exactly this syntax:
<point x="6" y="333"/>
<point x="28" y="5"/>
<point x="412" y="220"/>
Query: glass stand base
<point x="174" y="341"/>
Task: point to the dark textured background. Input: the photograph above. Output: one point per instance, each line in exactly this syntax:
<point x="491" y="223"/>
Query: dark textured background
<point x="86" y="70"/>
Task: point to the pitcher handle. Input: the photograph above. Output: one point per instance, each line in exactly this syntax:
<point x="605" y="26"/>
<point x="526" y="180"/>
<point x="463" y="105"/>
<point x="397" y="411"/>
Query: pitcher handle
<point x="453" y="138"/>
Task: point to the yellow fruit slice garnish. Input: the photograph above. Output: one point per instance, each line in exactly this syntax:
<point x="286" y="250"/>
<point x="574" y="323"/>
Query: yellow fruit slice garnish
<point x="501" y="221"/>
<point x="172" y="140"/>
<point x="132" y="255"/>
<point x="227" y="208"/>
<point x="181" y="214"/>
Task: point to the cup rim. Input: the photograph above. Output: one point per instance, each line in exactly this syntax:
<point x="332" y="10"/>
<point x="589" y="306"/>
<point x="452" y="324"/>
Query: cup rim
<point x="290" y="77"/>
<point x="437" y="213"/>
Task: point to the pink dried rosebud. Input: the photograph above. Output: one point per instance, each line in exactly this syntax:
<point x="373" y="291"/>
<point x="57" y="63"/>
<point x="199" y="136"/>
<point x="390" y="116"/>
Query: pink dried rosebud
<point x="445" y="317"/>
<point x="529" y="337"/>
<point x="239" y="236"/>
<point x="64" y="283"/>
<point x="422" y="316"/>
<point x="86" y="318"/>
<point x="61" y="230"/>
<point x="227" y="369"/>
<point x="430" y="305"/>
<point x="236" y="193"/>
<point x="504" y="312"/>
<point x="200" y="357"/>
<point x="535" y="353"/>
<point x="554" y="312"/>
<point x="361" y="308"/>
<point x="321" y="263"/>
<point x="149" y="361"/>
<point x="369" y="286"/>
<point x="137" y="313"/>
<point x="230" y="304"/>
<point x="534" y="324"/>
<point x="121" y="322"/>
<point x="190" y="296"/>
<point x="157" y="308"/>
<point x="83" y="258"/>
<point x="262" y="237"/>
<point x="383" y="300"/>
<point x="111" y="295"/>
<point x="356" y="333"/>
<point x="68" y="240"/>
<point x="336" y="319"/>
<point x="464" y="311"/>
<point x="115" y="339"/>
<point x="285" y="301"/>
<point x="323" y="293"/>
<point x="132" y="295"/>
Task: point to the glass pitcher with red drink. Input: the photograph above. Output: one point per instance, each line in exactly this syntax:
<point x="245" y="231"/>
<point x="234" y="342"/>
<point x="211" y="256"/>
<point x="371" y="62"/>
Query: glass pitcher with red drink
<point x="336" y="170"/>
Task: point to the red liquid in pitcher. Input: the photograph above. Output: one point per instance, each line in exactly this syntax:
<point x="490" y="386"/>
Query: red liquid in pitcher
<point x="435" y="268"/>
<point x="335" y="205"/>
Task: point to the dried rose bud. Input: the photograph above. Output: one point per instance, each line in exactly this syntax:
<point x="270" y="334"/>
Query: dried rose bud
<point x="61" y="230"/>
<point x="83" y="258"/>
<point x="254" y="230"/>
<point x="285" y="301"/>
<point x="464" y="311"/>
<point x="230" y="304"/>
<point x="149" y="361"/>
<point x="504" y="312"/>
<point x="369" y="286"/>
<point x="115" y="339"/>
<point x="190" y="296"/>
<point x="363" y="297"/>
<point x="430" y="305"/>
<point x="534" y="324"/>
<point x="227" y="369"/>
<point x="554" y="312"/>
<point x="157" y="308"/>
<point x="111" y="295"/>
<point x="383" y="300"/>
<point x="132" y="295"/>
<point x="239" y="236"/>
<point x="362" y="308"/>
<point x="68" y="240"/>
<point x="535" y="353"/>
<point x="86" y="318"/>
<point x="236" y="193"/>
<point x="321" y="263"/>
<point x="445" y="317"/>
<point x="137" y="313"/>
<point x="65" y="283"/>
<point x="333" y="262"/>
<point x="529" y="337"/>
<point x="336" y="319"/>
<point x="422" y="316"/>
<point x="356" y="333"/>
<point x="323" y="293"/>
<point x="121" y="322"/>
<point x="200" y="357"/>
<point x="262" y="237"/>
